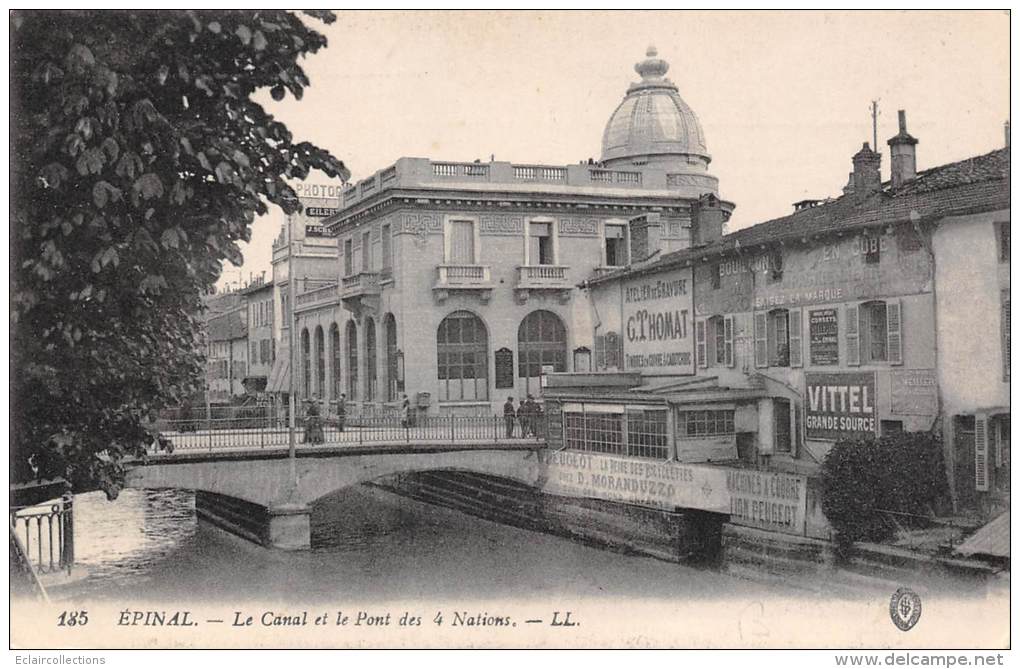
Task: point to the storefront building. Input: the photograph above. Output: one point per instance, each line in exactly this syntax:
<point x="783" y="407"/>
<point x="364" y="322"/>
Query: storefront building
<point x="762" y="348"/>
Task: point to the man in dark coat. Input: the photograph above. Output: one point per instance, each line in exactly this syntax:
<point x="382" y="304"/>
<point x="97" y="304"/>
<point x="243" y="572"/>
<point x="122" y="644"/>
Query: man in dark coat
<point x="509" y="414"/>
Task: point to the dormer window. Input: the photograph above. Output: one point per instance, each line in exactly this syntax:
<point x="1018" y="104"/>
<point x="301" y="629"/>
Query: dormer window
<point x="616" y="245"/>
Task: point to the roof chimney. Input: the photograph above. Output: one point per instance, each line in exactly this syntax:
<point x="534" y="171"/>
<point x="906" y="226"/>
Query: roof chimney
<point x="903" y="155"/>
<point x="1006" y="127"/>
<point x="867" y="178"/>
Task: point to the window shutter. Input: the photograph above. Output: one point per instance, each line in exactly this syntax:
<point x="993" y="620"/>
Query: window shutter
<point x="894" y="323"/>
<point x="619" y="352"/>
<point x="981" y="452"/>
<point x="702" y="353"/>
<point x="600" y="352"/>
<point x="761" y="343"/>
<point x="1004" y="330"/>
<point x="796" y="351"/>
<point x="853" y="337"/>
<point x="728" y="336"/>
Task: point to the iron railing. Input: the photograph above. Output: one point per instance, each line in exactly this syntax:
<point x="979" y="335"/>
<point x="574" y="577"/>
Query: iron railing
<point x="48" y="532"/>
<point x="272" y="432"/>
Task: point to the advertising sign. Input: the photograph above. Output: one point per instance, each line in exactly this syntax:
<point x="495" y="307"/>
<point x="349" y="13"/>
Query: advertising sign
<point x="657" y="313"/>
<point x="664" y="485"/>
<point x="319" y="201"/>
<point x="914" y="392"/>
<point x="773" y="501"/>
<point x="840" y="405"/>
<point x="823" y="329"/>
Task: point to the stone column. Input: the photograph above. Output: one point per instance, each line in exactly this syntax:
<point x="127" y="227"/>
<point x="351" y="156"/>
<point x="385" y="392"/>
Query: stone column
<point x="288" y="526"/>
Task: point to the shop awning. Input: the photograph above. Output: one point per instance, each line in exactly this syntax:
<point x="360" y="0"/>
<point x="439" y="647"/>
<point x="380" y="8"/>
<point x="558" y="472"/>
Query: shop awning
<point x="992" y="539"/>
<point x="279" y="377"/>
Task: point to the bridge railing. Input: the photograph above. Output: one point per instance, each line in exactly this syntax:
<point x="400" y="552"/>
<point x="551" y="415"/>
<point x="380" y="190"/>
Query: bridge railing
<point x="47" y="534"/>
<point x="248" y="433"/>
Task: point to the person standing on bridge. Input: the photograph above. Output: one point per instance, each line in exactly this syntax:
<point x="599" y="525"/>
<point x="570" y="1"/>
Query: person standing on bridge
<point x="405" y="413"/>
<point x="313" y="424"/>
<point x="509" y="415"/>
<point x="341" y="411"/>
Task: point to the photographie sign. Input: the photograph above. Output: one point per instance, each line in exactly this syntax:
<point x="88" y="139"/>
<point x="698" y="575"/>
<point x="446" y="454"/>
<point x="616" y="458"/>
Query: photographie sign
<point x="840" y="405"/>
<point x="913" y="392"/>
<point x="657" y="314"/>
<point x="664" y="485"/>
<point x="774" y="501"/>
<point x="823" y="330"/>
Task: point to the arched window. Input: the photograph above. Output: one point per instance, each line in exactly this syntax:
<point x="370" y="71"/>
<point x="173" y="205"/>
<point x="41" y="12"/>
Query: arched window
<point x="352" y="361"/>
<point x="463" y="357"/>
<point x="306" y="364"/>
<point x="392" y="373"/>
<point x="370" y="360"/>
<point x="541" y="340"/>
<point x="334" y="348"/>
<point x="320" y="362"/>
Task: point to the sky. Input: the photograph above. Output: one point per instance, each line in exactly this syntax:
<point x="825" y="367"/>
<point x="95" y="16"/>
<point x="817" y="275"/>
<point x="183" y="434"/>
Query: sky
<point x="784" y="98"/>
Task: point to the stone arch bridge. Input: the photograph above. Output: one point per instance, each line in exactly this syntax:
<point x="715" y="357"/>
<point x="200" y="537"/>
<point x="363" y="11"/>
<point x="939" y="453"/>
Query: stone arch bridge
<point x="262" y="480"/>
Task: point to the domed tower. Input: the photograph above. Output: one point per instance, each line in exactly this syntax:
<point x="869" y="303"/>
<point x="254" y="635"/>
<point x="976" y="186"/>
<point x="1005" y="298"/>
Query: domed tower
<point x="653" y="125"/>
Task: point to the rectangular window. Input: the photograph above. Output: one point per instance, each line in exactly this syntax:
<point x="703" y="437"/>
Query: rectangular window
<point x="871" y="249"/>
<point x="366" y="251"/>
<point x="704" y="423"/>
<point x="348" y="257"/>
<point x="540" y="250"/>
<point x="784" y="433"/>
<point x="646" y="434"/>
<point x="716" y="276"/>
<point x="594" y="432"/>
<point x="254" y="352"/>
<point x="387" y="249"/>
<point x="778" y="333"/>
<point x="1002" y="238"/>
<point x="616" y="245"/>
<point x="462" y="243"/>
<point x="775" y="267"/>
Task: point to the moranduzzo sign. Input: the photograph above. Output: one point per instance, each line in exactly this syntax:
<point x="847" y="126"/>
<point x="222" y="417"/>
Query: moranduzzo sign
<point x="841" y="406"/>
<point x="663" y="485"/>
<point x="657" y="316"/>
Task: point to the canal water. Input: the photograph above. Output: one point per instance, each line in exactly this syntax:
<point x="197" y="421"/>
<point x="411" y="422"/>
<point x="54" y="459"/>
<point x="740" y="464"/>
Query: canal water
<point x="367" y="544"/>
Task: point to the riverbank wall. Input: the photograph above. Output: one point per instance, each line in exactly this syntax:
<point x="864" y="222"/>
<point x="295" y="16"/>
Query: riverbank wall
<point x="681" y="536"/>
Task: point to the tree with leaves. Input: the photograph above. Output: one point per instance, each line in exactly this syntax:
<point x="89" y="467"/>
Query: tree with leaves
<point x="139" y="159"/>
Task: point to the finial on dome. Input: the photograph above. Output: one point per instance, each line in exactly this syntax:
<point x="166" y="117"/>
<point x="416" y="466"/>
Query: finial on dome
<point x="652" y="67"/>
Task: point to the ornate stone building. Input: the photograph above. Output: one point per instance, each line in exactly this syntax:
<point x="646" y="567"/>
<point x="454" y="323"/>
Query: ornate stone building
<point x="457" y="282"/>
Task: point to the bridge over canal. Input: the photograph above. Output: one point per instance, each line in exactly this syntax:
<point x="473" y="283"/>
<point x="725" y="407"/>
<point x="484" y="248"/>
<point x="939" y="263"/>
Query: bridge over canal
<point x="252" y="467"/>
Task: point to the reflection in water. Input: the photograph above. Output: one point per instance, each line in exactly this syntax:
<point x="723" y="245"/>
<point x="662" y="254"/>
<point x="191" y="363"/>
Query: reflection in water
<point x="368" y="544"/>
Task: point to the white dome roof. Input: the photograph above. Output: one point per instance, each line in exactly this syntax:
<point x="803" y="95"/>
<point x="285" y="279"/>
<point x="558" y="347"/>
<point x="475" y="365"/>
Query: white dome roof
<point x="653" y="122"/>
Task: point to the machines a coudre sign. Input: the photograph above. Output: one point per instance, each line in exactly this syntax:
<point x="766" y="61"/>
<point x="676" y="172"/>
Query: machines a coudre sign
<point x="840" y="405"/>
<point x="657" y="314"/>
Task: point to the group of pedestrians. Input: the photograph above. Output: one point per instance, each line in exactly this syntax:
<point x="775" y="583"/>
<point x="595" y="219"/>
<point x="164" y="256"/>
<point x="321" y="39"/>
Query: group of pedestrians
<point x="315" y="421"/>
<point x="526" y="415"/>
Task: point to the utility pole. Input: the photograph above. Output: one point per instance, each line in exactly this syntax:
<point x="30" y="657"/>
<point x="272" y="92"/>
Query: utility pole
<point x="291" y="292"/>
<point x="874" y="125"/>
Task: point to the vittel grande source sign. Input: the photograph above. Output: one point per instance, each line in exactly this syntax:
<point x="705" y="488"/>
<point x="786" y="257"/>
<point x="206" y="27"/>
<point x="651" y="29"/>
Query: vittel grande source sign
<point x="840" y="406"/>
<point x="657" y="314"/>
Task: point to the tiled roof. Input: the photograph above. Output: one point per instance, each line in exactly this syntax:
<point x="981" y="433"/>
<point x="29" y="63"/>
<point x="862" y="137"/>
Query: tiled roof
<point x="980" y="183"/>
<point x="231" y="325"/>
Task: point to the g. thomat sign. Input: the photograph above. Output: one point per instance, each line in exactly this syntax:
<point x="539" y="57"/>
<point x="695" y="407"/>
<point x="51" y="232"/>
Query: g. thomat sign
<point x="663" y="485"/>
<point x="657" y="315"/>
<point x="840" y="406"/>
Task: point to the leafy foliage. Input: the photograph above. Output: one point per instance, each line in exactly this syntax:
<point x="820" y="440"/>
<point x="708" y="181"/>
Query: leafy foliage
<point x="864" y="480"/>
<point x="139" y="160"/>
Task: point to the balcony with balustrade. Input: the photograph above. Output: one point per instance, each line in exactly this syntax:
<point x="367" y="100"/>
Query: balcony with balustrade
<point x="315" y="297"/>
<point x="543" y="278"/>
<point x="472" y="279"/>
<point x="360" y="291"/>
